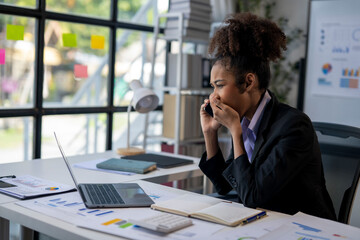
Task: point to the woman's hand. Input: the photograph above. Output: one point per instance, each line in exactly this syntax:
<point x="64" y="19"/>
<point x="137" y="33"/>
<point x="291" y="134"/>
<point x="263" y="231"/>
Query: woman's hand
<point x="209" y="127"/>
<point x="230" y="118"/>
<point x="208" y="124"/>
<point x="226" y="115"/>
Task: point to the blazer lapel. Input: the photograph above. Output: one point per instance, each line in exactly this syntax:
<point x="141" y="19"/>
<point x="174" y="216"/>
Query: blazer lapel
<point x="264" y="125"/>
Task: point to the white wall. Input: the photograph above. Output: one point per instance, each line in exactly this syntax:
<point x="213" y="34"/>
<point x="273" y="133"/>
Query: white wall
<point x="297" y="13"/>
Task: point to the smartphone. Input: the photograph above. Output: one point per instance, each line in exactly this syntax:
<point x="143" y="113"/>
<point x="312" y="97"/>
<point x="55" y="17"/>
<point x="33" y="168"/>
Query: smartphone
<point x="209" y="110"/>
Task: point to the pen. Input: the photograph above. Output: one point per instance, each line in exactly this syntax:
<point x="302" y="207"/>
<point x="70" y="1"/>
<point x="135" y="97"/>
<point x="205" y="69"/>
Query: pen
<point x="9" y="176"/>
<point x="250" y="219"/>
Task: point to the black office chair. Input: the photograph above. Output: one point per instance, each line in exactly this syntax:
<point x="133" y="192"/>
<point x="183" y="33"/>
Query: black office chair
<point x="340" y="150"/>
<point x="354" y="216"/>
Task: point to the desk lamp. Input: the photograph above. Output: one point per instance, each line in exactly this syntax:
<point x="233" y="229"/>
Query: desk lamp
<point x="143" y="101"/>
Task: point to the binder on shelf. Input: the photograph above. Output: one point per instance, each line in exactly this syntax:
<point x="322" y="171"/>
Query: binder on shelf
<point x="191" y="71"/>
<point x="206" y="70"/>
<point x="189" y="117"/>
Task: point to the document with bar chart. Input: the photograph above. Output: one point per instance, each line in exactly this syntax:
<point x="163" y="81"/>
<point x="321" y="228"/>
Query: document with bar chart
<point x="69" y="208"/>
<point x="27" y="186"/>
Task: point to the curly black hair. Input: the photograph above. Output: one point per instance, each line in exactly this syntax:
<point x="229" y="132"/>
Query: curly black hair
<point x="247" y="43"/>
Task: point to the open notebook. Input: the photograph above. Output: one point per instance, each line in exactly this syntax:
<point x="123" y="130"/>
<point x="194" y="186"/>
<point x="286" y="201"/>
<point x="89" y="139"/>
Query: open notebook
<point x="210" y="209"/>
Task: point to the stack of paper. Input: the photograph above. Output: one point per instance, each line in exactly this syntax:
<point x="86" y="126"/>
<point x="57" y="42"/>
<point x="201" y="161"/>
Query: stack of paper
<point x="197" y="19"/>
<point x="26" y="186"/>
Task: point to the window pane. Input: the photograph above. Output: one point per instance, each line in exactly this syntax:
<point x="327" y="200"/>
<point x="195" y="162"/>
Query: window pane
<point x="78" y="134"/>
<point x="76" y="64"/>
<point x="16" y="139"/>
<point x="141" y="11"/>
<point x="17" y="54"/>
<point x="20" y="3"/>
<point x="93" y="8"/>
<point x="133" y="61"/>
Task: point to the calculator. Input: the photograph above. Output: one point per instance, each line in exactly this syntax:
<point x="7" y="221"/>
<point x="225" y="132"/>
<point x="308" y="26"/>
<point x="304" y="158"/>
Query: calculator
<point x="163" y="222"/>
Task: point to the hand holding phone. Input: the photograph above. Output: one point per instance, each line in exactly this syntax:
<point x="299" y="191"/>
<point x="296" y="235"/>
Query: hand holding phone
<point x="209" y="110"/>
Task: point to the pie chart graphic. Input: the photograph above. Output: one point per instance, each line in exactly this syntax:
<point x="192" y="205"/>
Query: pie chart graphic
<point x="326" y="68"/>
<point x="52" y="188"/>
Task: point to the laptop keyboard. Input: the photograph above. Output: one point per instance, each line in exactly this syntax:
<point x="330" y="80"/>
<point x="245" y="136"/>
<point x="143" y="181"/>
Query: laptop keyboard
<point x="103" y="194"/>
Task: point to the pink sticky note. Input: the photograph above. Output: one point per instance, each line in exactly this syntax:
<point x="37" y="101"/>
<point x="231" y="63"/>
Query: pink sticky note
<point x="80" y="71"/>
<point x="2" y="56"/>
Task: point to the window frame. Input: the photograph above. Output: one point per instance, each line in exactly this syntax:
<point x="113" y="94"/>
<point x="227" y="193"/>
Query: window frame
<point x="37" y="111"/>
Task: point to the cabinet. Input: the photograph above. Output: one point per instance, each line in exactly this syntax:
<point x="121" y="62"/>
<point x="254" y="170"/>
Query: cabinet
<point x="177" y="89"/>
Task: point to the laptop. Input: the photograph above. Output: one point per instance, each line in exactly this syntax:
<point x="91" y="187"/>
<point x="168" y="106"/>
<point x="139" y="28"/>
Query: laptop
<point x="109" y="195"/>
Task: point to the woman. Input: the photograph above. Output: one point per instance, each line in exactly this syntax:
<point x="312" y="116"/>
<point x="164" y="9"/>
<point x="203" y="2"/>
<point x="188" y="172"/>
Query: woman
<point x="275" y="162"/>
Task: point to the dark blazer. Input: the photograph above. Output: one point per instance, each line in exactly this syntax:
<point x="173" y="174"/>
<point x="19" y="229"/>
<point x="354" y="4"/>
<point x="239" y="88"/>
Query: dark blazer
<point x="286" y="172"/>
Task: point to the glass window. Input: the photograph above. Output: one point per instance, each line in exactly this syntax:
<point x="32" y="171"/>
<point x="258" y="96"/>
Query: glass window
<point x="141" y="11"/>
<point x="17" y="54"/>
<point x="75" y="73"/>
<point x="78" y="134"/>
<point x="133" y="61"/>
<point x="75" y="64"/>
<point x="20" y="3"/>
<point x="92" y="8"/>
<point x="16" y="136"/>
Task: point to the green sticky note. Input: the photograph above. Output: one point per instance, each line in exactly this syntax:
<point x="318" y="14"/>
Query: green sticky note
<point x="69" y="40"/>
<point x="14" y="32"/>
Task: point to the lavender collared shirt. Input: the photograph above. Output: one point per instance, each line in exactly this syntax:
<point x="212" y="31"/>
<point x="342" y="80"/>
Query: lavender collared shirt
<point x="250" y="128"/>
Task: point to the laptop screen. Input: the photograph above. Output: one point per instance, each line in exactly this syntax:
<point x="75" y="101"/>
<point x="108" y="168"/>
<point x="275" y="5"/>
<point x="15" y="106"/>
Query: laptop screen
<point x="66" y="161"/>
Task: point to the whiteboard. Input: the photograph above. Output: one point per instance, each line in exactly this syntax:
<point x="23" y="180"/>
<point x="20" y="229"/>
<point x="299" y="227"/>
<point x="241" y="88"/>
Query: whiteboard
<point x="332" y="79"/>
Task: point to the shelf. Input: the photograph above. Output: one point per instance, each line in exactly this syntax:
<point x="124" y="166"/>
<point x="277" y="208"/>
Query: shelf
<point x="199" y="91"/>
<point x="171" y="141"/>
<point x="185" y="39"/>
<point x="177" y="90"/>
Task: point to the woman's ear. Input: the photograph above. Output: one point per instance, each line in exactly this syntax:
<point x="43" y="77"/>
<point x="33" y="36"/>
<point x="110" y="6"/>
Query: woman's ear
<point x="250" y="81"/>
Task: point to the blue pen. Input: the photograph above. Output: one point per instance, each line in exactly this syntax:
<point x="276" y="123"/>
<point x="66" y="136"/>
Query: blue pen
<point x="253" y="218"/>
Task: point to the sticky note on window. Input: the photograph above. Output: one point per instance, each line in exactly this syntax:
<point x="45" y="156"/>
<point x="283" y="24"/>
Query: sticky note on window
<point x="14" y="32"/>
<point x="69" y="40"/>
<point x="97" y="42"/>
<point x="2" y="56"/>
<point x="80" y="71"/>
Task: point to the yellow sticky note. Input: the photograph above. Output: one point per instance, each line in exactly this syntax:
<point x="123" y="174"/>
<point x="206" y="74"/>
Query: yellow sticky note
<point x="69" y="40"/>
<point x="97" y="42"/>
<point x="14" y="32"/>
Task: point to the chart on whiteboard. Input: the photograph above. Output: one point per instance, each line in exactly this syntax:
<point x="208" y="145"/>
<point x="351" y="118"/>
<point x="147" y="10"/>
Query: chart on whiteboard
<point x="336" y="58"/>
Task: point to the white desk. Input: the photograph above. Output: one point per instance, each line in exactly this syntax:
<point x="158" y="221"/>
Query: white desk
<point x="63" y="230"/>
<point x="54" y="169"/>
